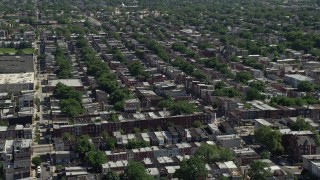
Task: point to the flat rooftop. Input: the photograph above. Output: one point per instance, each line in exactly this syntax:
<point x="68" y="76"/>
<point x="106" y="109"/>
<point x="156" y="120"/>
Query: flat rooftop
<point x="17" y="78"/>
<point x="68" y="82"/>
<point x="299" y="77"/>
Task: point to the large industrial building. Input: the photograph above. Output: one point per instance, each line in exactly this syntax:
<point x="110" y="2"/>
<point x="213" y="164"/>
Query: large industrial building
<point x="17" y="82"/>
<point x="16" y="64"/>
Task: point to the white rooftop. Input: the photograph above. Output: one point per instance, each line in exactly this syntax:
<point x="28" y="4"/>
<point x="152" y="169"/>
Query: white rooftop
<point x="17" y="78"/>
<point x="299" y="77"/>
<point x="68" y="82"/>
<point x="263" y="122"/>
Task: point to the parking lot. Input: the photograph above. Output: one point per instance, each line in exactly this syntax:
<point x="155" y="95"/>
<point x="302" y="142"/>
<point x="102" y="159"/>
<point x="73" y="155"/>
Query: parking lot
<point x="46" y="173"/>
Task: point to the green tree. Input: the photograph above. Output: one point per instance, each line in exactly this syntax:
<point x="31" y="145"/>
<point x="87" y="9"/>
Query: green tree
<point x="219" y="85"/>
<point x="265" y="155"/>
<point x="258" y="170"/>
<point x="111" y="175"/>
<point x="243" y="76"/>
<point x="306" y="86"/>
<point x="254" y="94"/>
<point x="179" y="107"/>
<point x="197" y="124"/>
<point x="199" y="75"/>
<point x="62" y="91"/>
<point x="270" y="138"/>
<point x="67" y="136"/>
<point x="137" y="143"/>
<point x="114" y="117"/>
<point x="136" y="130"/>
<point x="224" y="178"/>
<point x="111" y="143"/>
<point x="118" y="95"/>
<point x="212" y="153"/>
<point x="259" y="85"/>
<point x="71" y="107"/>
<point x="95" y="159"/>
<point x="301" y="125"/>
<point x="84" y="145"/>
<point x="81" y="42"/>
<point x="36" y="161"/>
<point x="192" y="169"/>
<point x="137" y="69"/>
<point x="228" y="92"/>
<point x="136" y="171"/>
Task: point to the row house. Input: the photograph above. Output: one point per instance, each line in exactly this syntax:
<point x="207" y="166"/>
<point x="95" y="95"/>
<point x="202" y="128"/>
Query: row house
<point x="276" y="113"/>
<point x="113" y="43"/>
<point x="152" y="59"/>
<point x="171" y="72"/>
<point x="99" y="46"/>
<point x="157" y="78"/>
<point x="132" y="105"/>
<point x="151" y="121"/>
<point x="141" y="153"/>
<point x="171" y="136"/>
<point x="245" y="156"/>
<point x="148" y="98"/>
<point x="17" y="159"/>
<point x="230" y="50"/>
<point x="115" y="166"/>
<point x="226" y="105"/>
<point x="298" y="143"/>
<point x="153" y="152"/>
<point x="290" y="53"/>
<point x="197" y="88"/>
<point x="126" y="77"/>
<point x="17" y="131"/>
<point x="115" y="65"/>
<point x="117" y="155"/>
<point x="311" y="164"/>
<point x="229" y="141"/>
<point x="175" y="135"/>
<point x="198" y="135"/>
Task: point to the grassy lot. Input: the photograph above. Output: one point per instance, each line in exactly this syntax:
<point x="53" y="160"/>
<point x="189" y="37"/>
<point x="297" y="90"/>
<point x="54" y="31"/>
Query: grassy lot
<point x="13" y="50"/>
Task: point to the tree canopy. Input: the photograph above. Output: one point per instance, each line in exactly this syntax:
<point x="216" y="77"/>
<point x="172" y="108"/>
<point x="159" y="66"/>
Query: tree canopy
<point x="179" y="107"/>
<point x="106" y="80"/>
<point x="63" y="63"/>
<point x="301" y="125"/>
<point x="111" y="175"/>
<point x="192" y="169"/>
<point x="254" y="94"/>
<point x="183" y="49"/>
<point x="137" y="69"/>
<point x="259" y="170"/>
<point x="71" y="107"/>
<point x="95" y="159"/>
<point x="136" y="171"/>
<point x="307" y="86"/>
<point x="287" y="101"/>
<point x="137" y="143"/>
<point x="228" y="92"/>
<point x="243" y="76"/>
<point x="212" y="153"/>
<point x="62" y="91"/>
<point x="70" y="99"/>
<point x="84" y="145"/>
<point x="270" y="138"/>
<point x="36" y="161"/>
